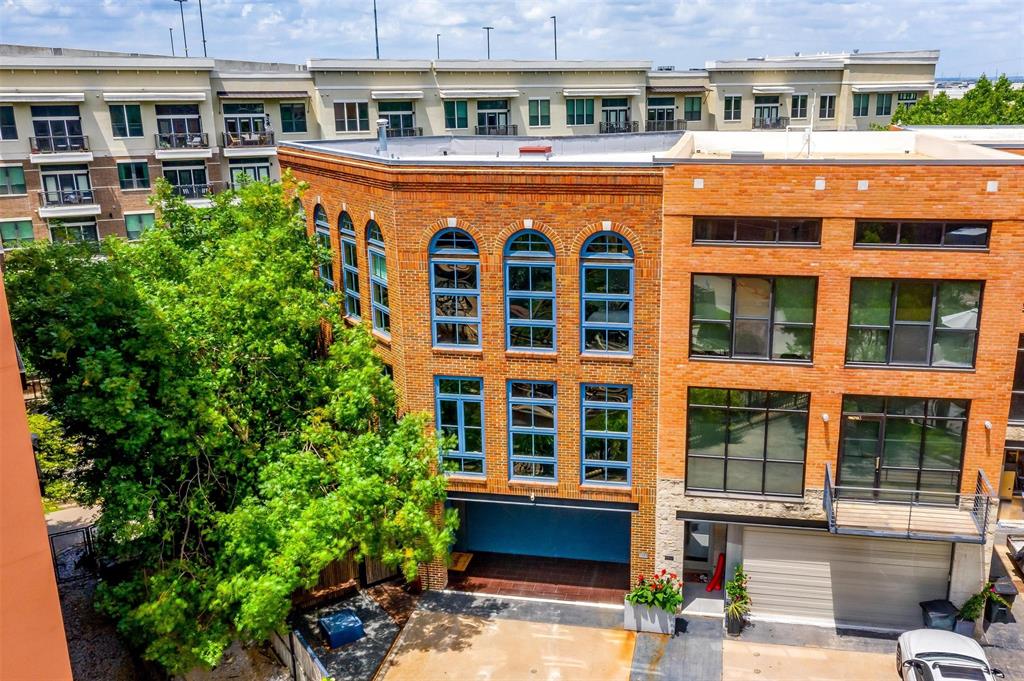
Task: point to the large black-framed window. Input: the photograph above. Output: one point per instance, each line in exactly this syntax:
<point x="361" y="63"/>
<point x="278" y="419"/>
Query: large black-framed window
<point x="910" y="322"/>
<point x="757" y="231"/>
<point x="746" y="441"/>
<point x="894" y="448"/>
<point x="1017" y="392"/>
<point x="750" y="317"/>
<point x="922" y="233"/>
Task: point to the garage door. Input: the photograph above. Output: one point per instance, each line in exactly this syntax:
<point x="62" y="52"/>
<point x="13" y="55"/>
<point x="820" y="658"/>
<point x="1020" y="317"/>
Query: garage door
<point x="819" y="578"/>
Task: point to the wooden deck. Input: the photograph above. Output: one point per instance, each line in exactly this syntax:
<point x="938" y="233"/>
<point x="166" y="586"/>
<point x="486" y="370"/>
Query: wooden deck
<point x="905" y="520"/>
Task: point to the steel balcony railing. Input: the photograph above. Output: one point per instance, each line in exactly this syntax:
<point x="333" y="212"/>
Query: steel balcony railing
<point x="770" y="122"/>
<point x="262" y="138"/>
<point x="405" y="132"/>
<point x="666" y="126"/>
<point x="182" y="140"/>
<point x="66" y="197"/>
<point x="624" y="126"/>
<point x="509" y="129"/>
<point x="56" y="144"/>
<point x="192" y="191"/>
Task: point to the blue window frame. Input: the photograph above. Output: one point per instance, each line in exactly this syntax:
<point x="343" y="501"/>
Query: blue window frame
<point x="606" y="285"/>
<point x="378" y="278"/>
<point x="529" y="292"/>
<point x="607" y="414"/>
<point x="349" y="266"/>
<point x="322" y="229"/>
<point x="532" y="426"/>
<point x="455" y="289"/>
<point x="459" y="408"/>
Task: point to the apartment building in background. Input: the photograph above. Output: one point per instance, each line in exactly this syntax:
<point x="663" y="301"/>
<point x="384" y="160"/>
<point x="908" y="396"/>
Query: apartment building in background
<point x="650" y="350"/>
<point x="85" y="133"/>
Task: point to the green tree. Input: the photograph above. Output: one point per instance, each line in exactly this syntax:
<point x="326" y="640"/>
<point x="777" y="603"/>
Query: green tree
<point x="234" y="452"/>
<point x="57" y="456"/>
<point x="987" y="103"/>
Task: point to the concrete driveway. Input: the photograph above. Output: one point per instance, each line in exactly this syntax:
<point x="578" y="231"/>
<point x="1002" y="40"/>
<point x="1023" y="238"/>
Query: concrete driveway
<point x="743" y="661"/>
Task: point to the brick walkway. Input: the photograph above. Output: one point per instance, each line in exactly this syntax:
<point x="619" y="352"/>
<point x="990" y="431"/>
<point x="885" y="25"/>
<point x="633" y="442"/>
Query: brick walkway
<point x="557" y="578"/>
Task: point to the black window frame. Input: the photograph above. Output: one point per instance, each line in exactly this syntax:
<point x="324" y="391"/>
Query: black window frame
<point x="290" y="124"/>
<point x="8" y="123"/>
<point x="736" y="220"/>
<point x="946" y="227"/>
<point x="121" y="125"/>
<point x="134" y="182"/>
<point x="1017" y="387"/>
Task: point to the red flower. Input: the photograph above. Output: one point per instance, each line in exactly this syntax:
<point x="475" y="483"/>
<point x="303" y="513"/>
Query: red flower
<point x="640" y="578"/>
<point x="663" y="571"/>
<point x="672" y="575"/>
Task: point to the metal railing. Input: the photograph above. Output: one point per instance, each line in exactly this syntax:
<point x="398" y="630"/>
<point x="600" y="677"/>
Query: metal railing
<point x="262" y="138"/>
<point x="57" y="144"/>
<point x="770" y="122"/>
<point x="182" y="140"/>
<point x="624" y="126"/>
<point x="666" y="126"/>
<point x="908" y="514"/>
<point x="405" y="132"/>
<point x="509" y="129"/>
<point x="192" y="191"/>
<point x="74" y="553"/>
<point x="66" y="197"/>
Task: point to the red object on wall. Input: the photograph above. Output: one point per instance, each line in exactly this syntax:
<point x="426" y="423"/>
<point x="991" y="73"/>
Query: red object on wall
<point x="716" y="581"/>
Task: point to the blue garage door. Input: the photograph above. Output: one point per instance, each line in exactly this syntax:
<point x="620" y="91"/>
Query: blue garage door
<point x="544" y="531"/>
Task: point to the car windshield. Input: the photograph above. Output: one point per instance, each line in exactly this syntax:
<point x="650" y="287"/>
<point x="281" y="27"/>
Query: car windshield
<point x="955" y="657"/>
<point x="957" y="671"/>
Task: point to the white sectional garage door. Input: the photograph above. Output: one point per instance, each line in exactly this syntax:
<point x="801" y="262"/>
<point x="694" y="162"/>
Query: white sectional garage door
<point x="820" y="578"/>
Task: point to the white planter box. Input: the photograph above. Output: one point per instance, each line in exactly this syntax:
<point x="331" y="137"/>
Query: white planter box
<point x="646" y="618"/>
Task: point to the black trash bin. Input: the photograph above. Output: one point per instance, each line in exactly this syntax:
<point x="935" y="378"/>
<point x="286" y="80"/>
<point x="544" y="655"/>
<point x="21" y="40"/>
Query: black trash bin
<point x="939" y="614"/>
<point x="997" y="612"/>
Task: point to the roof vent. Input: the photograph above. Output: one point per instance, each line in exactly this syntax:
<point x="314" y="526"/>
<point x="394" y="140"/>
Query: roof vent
<point x="748" y="155"/>
<point x="57" y="51"/>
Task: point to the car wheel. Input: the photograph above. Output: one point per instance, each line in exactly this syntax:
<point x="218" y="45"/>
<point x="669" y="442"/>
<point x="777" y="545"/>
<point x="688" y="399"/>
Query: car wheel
<point x="899" y="662"/>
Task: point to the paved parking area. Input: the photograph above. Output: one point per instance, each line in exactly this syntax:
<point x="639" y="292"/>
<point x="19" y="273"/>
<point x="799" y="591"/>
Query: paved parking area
<point x="743" y="661"/>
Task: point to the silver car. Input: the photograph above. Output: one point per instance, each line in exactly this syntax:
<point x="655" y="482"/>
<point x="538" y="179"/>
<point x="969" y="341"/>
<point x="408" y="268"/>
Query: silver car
<point x="936" y="655"/>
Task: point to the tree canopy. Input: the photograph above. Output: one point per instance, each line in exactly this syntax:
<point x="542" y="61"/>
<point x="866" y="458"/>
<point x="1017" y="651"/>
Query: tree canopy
<point x="987" y="103"/>
<point x="233" y="451"/>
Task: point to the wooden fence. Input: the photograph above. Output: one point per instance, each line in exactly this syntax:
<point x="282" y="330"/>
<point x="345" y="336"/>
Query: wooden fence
<point x="298" y="656"/>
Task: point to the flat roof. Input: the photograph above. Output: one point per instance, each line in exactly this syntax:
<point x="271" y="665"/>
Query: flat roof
<point x="478" y="65"/>
<point x="1002" y="136"/>
<point x="651" y="149"/>
<point x="824" y="60"/>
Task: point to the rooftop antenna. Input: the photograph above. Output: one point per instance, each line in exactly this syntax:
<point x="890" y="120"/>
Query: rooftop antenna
<point x="184" y="36"/>
<point x="376" y="38"/>
<point x="488" y="29"/>
<point x="171" y="30"/>
<point x="438" y="46"/>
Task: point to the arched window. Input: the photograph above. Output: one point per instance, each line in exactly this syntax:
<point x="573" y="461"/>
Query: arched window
<point x="455" y="289"/>
<point x="378" y="278"/>
<point x="322" y="229"/>
<point x="606" y="275"/>
<point x="529" y="292"/>
<point x="349" y="265"/>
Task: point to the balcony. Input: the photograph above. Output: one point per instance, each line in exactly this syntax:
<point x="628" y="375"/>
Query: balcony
<point x="410" y="132"/>
<point x="623" y="126"/>
<point x="62" y="203"/>
<point x="183" y="145"/>
<point x="508" y="130"/>
<point x="192" y="192"/>
<point x="59" y="144"/>
<point x="909" y="514"/>
<point x="666" y="126"/>
<point x="234" y="140"/>
<point x="770" y="122"/>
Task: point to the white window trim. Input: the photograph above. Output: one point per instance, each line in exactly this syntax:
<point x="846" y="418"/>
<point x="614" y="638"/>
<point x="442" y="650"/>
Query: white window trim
<point x="807" y="107"/>
<point x="27" y="219"/>
<point x="835" y="105"/>
<point x="334" y="116"/>
<point x="725" y="98"/>
<point x="15" y="165"/>
<point x="538" y="99"/>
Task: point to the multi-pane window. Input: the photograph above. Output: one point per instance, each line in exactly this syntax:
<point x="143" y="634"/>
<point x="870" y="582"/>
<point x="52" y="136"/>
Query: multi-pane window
<point x="57" y="127"/>
<point x="133" y="175"/>
<point x="351" y="116"/>
<point x="895" y="448"/>
<point x="322" y="232"/>
<point x="798" y="106"/>
<point x="456" y="114"/>
<point x="73" y="231"/>
<point x="532" y="440"/>
<point x="826" y="106"/>
<point x="378" y="278"/>
<point x="733" y="107"/>
<point x="607" y="433"/>
<point x="66" y="185"/>
<point x="455" y="289"/>
<point x="459" y="404"/>
<point x="913" y="323"/>
<point x="753" y="317"/>
<point x="579" y="111"/>
<point x="883" y="104"/>
<point x="692" y="108"/>
<point x="757" y="230"/>
<point x="293" y="117"/>
<point x="607" y="286"/>
<point x="126" y="120"/>
<point x="187" y="178"/>
<point x="137" y="223"/>
<point x="907" y="99"/>
<point x="245" y="124"/>
<point x="401" y="116"/>
<point x="530" y="292"/>
<point x="540" y="112"/>
<point x="660" y="111"/>
<point x="12" y="180"/>
<point x="1017" y="392"/>
<point x="256" y="169"/>
<point x="349" y="265"/>
<point x="8" y="128"/>
<point x="746" y="441"/>
<point x="15" y="233"/>
<point x="179" y="125"/>
<point x="922" y="233"/>
<point x="492" y="116"/>
<point x="860" y="104"/>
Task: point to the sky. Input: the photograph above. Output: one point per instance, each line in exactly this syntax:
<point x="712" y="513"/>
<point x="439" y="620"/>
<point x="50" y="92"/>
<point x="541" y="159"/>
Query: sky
<point x="974" y="36"/>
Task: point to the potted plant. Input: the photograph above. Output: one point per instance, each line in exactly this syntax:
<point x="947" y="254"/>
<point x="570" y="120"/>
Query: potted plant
<point x="973" y="609"/>
<point x="738" y="602"/>
<point x="652" y="604"/>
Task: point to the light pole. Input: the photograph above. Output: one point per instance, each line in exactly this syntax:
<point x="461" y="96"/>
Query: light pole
<point x="438" y="46"/>
<point x="555" y="19"/>
<point x="376" y="39"/>
<point x="488" y="29"/>
<point x="184" y="36"/>
<point x="202" y="27"/>
<point x="171" y="31"/>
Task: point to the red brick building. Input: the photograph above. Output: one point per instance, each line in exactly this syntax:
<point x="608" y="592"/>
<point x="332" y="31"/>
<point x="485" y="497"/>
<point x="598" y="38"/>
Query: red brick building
<point x="647" y="348"/>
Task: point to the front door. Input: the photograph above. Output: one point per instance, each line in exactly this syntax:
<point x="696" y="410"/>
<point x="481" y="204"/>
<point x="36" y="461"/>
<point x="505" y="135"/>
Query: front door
<point x="766" y="110"/>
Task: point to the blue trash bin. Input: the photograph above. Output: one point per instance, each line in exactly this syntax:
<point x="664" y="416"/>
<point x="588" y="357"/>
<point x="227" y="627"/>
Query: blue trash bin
<point x="341" y="627"/>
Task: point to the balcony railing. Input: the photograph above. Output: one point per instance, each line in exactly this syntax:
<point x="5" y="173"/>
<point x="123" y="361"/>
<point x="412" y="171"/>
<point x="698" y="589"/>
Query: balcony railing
<point x="66" y="197"/>
<point x="58" y="144"/>
<point x="770" y="122"/>
<point x="624" y="126"/>
<point x="496" y="130"/>
<point x="407" y="132"/>
<point x="182" y="140"/>
<point x="263" y="138"/>
<point x="192" y="191"/>
<point x="666" y="126"/>
<point x="909" y="514"/>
